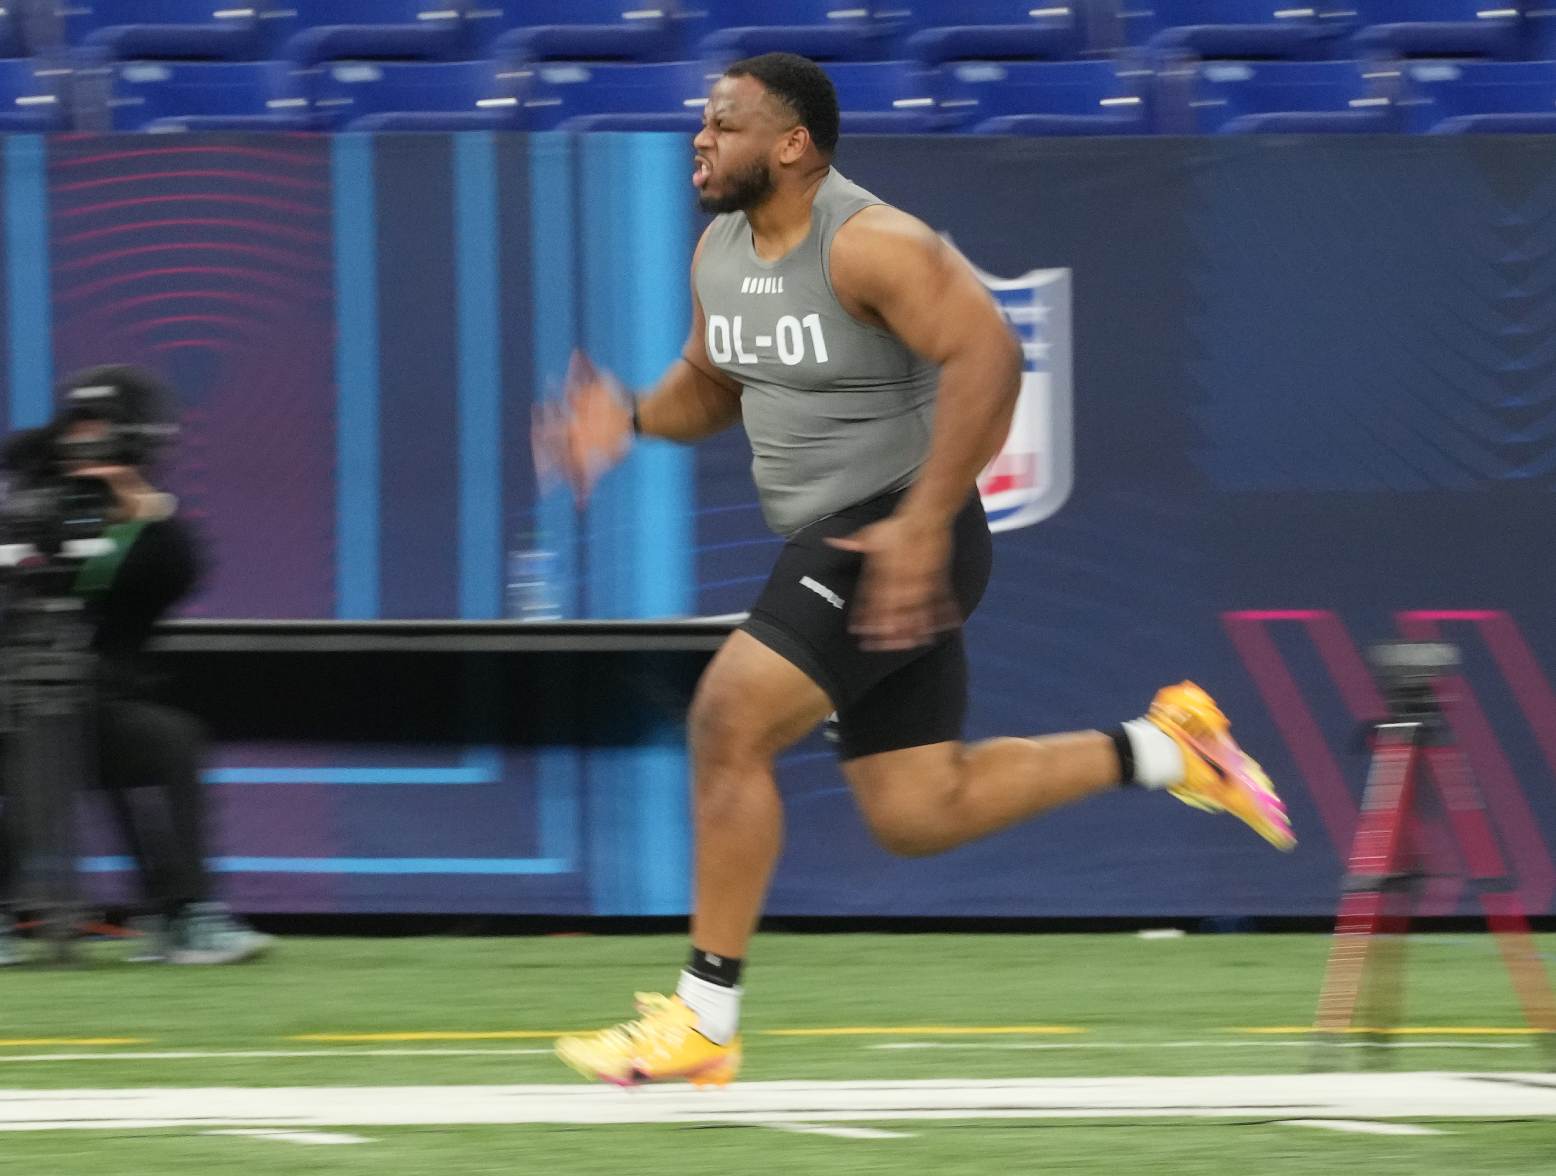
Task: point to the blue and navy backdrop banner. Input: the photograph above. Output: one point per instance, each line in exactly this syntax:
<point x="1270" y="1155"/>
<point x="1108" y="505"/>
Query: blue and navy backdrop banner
<point x="1308" y="392"/>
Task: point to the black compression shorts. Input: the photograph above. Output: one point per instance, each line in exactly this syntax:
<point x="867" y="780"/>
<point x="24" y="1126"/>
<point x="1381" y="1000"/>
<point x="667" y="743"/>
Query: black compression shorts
<point x="885" y="700"/>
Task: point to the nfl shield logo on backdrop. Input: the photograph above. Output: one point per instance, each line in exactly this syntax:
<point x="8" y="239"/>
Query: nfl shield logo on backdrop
<point x="1031" y="477"/>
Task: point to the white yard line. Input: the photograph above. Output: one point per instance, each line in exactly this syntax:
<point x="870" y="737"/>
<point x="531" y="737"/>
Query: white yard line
<point x="1263" y="1096"/>
<point x="838" y="1132"/>
<point x="1363" y="1128"/>
<point x="181" y="1055"/>
<point x="1307" y="1043"/>
<point x="184" y="1055"/>
<point x="314" y="1138"/>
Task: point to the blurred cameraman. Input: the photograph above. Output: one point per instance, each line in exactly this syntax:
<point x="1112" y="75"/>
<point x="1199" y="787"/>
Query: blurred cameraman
<point x="113" y="423"/>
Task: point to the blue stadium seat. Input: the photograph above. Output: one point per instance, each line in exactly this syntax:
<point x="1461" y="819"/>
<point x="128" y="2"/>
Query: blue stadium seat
<point x="885" y="97"/>
<point x="1250" y="97"/>
<point x="1228" y="28"/>
<point x="1436" y="28"/>
<point x="1048" y="97"/>
<point x="828" y="30"/>
<point x="415" y="96"/>
<point x="950" y="30"/>
<point x="1538" y="42"/>
<point x="31" y="97"/>
<point x="205" y="95"/>
<point x="312" y="31"/>
<point x="613" y="96"/>
<point x="13" y="42"/>
<point x="1459" y="97"/>
<point x="573" y="30"/>
<point x="109" y="30"/>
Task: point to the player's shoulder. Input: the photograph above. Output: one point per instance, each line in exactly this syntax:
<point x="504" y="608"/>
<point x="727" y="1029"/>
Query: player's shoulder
<point x="879" y="239"/>
<point x="886" y="224"/>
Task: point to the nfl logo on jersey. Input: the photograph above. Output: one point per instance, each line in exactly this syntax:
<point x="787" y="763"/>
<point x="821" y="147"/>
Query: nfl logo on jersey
<point x="1031" y="476"/>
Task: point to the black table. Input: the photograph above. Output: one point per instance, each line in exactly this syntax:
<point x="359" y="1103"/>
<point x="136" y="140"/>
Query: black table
<point x="436" y="681"/>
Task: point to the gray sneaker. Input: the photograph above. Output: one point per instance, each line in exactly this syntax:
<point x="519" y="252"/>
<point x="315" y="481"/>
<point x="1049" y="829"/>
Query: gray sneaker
<point x="10" y="946"/>
<point x="151" y="943"/>
<point x="207" y="933"/>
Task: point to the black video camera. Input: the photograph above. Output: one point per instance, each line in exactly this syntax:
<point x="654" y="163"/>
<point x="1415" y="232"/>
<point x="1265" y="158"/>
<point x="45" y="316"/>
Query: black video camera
<point x="52" y="518"/>
<point x="1406" y="672"/>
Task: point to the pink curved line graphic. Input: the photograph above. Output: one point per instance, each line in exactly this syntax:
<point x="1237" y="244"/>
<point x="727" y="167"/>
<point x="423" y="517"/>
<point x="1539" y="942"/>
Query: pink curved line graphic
<point x="262" y="277"/>
<point x="224" y="345"/>
<point x="202" y="222"/>
<point x="300" y="158"/>
<point x="206" y="173"/>
<point x="256" y="302"/>
<point x="261" y="308"/>
<point x="286" y="207"/>
<point x="229" y="320"/>
<point x="302" y="260"/>
<point x="236" y="336"/>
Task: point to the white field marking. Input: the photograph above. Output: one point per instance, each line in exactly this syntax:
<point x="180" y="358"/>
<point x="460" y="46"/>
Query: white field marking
<point x="196" y="1054"/>
<point x="1308" y="1044"/>
<point x="202" y="1054"/>
<point x="308" y="1137"/>
<point x="839" y="1132"/>
<point x="1265" y="1096"/>
<point x="1361" y="1128"/>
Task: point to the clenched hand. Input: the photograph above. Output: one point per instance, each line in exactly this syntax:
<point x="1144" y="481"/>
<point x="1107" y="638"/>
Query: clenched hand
<point x="587" y="432"/>
<point x="904" y="595"/>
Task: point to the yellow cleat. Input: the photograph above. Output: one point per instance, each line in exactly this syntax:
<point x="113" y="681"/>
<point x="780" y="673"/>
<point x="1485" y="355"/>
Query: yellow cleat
<point x="662" y="1045"/>
<point x="1219" y="775"/>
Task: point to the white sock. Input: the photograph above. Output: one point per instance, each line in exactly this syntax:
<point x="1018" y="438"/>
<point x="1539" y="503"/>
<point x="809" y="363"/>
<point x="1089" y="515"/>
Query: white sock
<point x="717" y="1007"/>
<point x="1158" y="759"/>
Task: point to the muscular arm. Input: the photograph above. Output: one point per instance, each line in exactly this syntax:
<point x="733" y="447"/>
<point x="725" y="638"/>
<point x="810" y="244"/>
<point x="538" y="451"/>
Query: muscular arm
<point x="693" y="399"/>
<point x="891" y="269"/>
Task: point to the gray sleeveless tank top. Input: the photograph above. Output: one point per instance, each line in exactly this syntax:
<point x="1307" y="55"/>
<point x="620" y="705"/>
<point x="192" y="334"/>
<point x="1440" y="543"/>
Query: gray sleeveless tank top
<point x="837" y="411"/>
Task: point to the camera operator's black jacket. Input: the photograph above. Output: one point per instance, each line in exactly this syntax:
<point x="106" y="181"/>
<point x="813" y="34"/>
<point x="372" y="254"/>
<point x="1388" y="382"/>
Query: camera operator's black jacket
<point x="155" y="565"/>
<point x="127" y="594"/>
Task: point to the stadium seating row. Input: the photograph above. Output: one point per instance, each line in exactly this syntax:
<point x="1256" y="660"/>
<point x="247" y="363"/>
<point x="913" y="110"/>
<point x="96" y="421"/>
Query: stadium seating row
<point x="989" y="97"/>
<point x="307" y="32"/>
<point x="1189" y="66"/>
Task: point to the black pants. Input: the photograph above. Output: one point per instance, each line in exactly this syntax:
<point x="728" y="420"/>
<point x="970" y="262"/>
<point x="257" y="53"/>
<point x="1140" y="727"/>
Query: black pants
<point x="149" y="760"/>
<point x="888" y="699"/>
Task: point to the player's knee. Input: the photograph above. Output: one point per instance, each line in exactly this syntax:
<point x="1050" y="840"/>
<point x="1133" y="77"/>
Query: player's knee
<point x="717" y="731"/>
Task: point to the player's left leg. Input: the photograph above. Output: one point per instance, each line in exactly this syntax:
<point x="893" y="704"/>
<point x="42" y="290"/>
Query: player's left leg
<point x="922" y="791"/>
<point x="931" y="798"/>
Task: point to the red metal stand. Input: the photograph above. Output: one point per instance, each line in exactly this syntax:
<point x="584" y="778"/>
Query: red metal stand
<point x="1364" y="978"/>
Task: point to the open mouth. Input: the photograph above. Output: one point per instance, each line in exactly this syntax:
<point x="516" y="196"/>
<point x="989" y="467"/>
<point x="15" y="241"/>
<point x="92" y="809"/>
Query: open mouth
<point x="700" y="172"/>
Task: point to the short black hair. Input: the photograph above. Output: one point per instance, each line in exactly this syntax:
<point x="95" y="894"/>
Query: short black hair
<point x="802" y="86"/>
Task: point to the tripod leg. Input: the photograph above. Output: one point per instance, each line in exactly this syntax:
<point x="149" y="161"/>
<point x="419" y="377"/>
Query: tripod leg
<point x="1505" y="914"/>
<point x="1374" y="862"/>
<point x="1505" y="917"/>
<point x="60" y="748"/>
<point x="1380" y="997"/>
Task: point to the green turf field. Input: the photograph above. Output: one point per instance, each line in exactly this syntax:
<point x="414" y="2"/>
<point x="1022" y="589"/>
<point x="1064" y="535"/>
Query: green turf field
<point x="862" y="1008"/>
